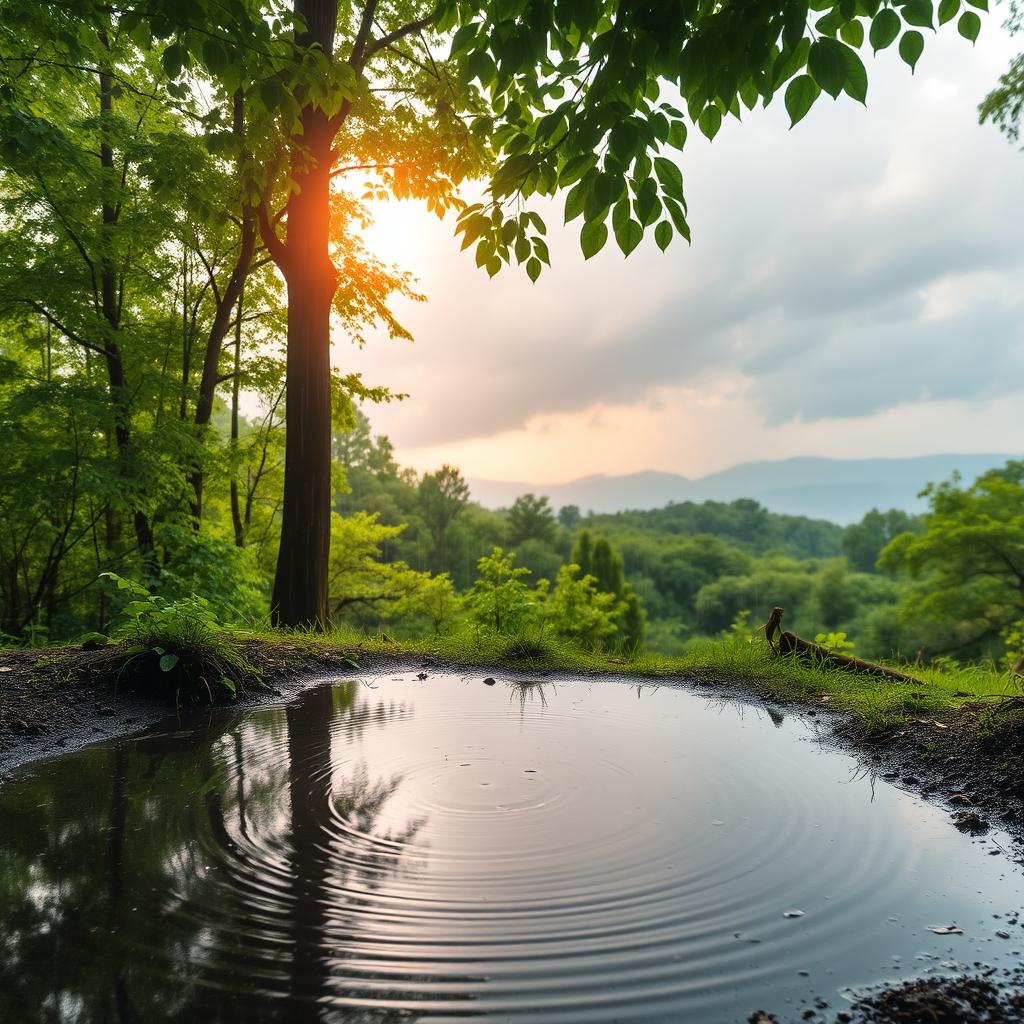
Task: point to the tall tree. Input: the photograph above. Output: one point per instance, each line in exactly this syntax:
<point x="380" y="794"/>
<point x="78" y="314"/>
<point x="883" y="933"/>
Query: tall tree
<point x="443" y="495"/>
<point x="969" y="560"/>
<point x="531" y="518"/>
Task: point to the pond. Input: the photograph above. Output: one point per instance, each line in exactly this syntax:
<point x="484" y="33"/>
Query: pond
<point x="396" y="848"/>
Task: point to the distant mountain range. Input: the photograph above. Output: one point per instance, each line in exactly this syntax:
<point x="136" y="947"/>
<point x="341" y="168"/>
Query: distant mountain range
<point x="840" y="490"/>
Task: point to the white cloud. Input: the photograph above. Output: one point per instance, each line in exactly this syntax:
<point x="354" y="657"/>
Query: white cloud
<point x="852" y="278"/>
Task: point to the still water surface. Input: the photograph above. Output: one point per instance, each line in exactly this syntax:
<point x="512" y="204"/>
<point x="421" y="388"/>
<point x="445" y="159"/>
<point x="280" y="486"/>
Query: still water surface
<point x="395" y="849"/>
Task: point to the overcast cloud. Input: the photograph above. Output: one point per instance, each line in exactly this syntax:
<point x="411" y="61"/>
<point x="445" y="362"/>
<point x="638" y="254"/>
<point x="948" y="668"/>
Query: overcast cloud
<point x="866" y="267"/>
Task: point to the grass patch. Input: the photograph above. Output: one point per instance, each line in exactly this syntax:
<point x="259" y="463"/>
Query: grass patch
<point x="875" y="701"/>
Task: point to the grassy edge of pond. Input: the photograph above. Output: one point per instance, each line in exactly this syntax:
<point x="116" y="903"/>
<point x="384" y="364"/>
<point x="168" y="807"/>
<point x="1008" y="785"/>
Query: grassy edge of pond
<point x="988" y="700"/>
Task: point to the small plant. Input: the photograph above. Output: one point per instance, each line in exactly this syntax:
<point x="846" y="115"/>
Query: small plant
<point x="531" y="646"/>
<point x="834" y="642"/>
<point x="740" y="631"/>
<point x="183" y="641"/>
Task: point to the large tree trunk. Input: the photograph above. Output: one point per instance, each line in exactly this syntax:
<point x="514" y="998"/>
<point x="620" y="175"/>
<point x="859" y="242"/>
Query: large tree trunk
<point x="300" y="583"/>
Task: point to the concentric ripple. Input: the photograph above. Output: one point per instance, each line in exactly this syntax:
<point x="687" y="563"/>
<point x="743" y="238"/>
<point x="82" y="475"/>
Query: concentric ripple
<point x="399" y="848"/>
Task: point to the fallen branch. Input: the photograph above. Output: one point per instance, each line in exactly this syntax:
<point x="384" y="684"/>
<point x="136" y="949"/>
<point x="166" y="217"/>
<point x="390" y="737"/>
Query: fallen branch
<point x="822" y="657"/>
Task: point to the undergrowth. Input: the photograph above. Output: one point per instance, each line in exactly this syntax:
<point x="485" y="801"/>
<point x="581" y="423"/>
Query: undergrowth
<point x="181" y="645"/>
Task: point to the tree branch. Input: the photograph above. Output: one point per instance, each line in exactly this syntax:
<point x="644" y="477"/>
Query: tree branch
<point x="273" y="244"/>
<point x="399" y="33"/>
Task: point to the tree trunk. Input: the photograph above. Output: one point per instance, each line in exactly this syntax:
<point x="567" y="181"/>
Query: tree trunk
<point x="226" y="304"/>
<point x="300" y="583"/>
<point x="110" y="301"/>
<point x="236" y="512"/>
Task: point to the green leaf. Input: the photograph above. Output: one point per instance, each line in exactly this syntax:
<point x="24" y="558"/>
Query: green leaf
<point x="271" y="93"/>
<point x="215" y="57"/>
<point x="853" y="33"/>
<point x="948" y="10"/>
<point x="678" y="219"/>
<point x="827" y="64"/>
<point x="800" y="95"/>
<point x="677" y="135"/>
<point x="856" y="77"/>
<point x="628" y="234"/>
<point x="593" y="237"/>
<point x="710" y="121"/>
<point x="918" y="12"/>
<point x="911" y="47"/>
<point x="533" y="268"/>
<point x="885" y="27"/>
<point x="173" y="59"/>
<point x="575" y="168"/>
<point x="168" y="662"/>
<point x="620" y="214"/>
<point x="663" y="235"/>
<point x="969" y="25"/>
<point x="670" y="176"/>
<point x="647" y="204"/>
<point x="574" y="201"/>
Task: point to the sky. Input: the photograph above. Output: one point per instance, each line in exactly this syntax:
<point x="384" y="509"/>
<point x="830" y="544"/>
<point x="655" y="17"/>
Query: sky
<point x="855" y="288"/>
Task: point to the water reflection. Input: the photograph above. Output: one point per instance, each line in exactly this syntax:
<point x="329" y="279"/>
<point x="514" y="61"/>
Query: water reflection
<point x="189" y="876"/>
<point x="585" y="852"/>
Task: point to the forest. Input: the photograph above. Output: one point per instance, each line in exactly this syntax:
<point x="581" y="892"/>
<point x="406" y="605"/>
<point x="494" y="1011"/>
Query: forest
<point x="152" y="317"/>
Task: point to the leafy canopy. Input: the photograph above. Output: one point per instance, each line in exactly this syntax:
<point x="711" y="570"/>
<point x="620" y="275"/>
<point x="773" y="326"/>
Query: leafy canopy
<point x="595" y="98"/>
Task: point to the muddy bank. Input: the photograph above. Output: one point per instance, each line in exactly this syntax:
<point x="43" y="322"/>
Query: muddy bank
<point x="49" y="705"/>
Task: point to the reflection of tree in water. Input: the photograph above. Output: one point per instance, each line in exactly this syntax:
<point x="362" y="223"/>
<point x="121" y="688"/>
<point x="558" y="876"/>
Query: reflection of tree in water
<point x="146" y="881"/>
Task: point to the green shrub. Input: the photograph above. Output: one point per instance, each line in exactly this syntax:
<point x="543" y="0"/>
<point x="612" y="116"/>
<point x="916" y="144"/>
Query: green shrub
<point x="181" y="643"/>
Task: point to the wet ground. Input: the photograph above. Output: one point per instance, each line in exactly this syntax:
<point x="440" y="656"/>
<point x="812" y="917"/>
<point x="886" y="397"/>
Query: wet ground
<point x="401" y="848"/>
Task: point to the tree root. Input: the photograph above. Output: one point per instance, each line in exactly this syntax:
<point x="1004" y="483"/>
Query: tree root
<point x="822" y="657"/>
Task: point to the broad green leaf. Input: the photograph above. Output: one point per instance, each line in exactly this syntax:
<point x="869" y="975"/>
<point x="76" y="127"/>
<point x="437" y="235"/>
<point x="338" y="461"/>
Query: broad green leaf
<point x="173" y="60"/>
<point x="918" y="12"/>
<point x="168" y="662"/>
<point x="856" y="77"/>
<point x="710" y="121"/>
<point x="575" y="201"/>
<point x="575" y="168"/>
<point x="911" y="47"/>
<point x="215" y="57"/>
<point x="670" y="176"/>
<point x="647" y="205"/>
<point x="628" y="235"/>
<point x="620" y="214"/>
<point x="675" y="211"/>
<point x="948" y="10"/>
<point x="827" y="64"/>
<point x="593" y="237"/>
<point x="800" y="95"/>
<point x="853" y="33"/>
<point x="885" y="27"/>
<point x="663" y="235"/>
<point x="969" y="25"/>
<point x="677" y="135"/>
<point x="533" y="268"/>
